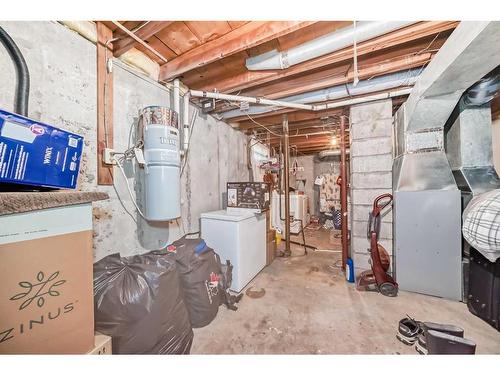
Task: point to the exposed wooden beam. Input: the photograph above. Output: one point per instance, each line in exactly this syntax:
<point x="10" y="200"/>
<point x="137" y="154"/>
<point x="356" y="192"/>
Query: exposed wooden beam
<point x="252" y="78"/>
<point x="312" y="141"/>
<point x="145" y="32"/>
<point x="294" y="117"/>
<point x="104" y="103"/>
<point x="240" y="39"/>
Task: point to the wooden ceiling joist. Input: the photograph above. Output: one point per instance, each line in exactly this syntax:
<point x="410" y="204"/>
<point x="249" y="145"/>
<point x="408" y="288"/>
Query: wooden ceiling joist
<point x="211" y="55"/>
<point x="248" y="79"/>
<point x="240" y="39"/>
<point x="144" y="33"/>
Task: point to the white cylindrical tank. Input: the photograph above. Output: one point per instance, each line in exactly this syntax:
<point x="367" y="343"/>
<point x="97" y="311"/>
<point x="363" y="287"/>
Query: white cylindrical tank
<point x="162" y="157"/>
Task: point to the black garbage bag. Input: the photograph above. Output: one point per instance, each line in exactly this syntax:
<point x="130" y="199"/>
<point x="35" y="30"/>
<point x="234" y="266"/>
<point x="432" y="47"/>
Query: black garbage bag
<point x="204" y="282"/>
<point x="138" y="302"/>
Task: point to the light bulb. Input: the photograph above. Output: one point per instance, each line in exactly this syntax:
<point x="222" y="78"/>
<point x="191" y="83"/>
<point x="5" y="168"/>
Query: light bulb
<point x="333" y="141"/>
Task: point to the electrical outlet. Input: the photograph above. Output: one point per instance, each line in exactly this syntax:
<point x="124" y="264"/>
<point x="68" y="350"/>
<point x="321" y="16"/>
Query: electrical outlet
<point x="107" y="156"/>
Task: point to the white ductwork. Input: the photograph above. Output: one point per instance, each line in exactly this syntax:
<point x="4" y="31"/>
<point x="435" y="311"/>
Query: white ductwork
<point x="323" y="45"/>
<point x="398" y="81"/>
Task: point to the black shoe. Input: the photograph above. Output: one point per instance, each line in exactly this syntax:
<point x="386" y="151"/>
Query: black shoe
<point x="408" y="331"/>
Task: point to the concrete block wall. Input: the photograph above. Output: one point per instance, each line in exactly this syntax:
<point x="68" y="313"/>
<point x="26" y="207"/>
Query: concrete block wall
<point x="370" y="174"/>
<point x="63" y="93"/>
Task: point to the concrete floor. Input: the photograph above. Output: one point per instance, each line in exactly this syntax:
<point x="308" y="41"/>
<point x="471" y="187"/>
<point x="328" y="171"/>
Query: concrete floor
<point x="309" y="308"/>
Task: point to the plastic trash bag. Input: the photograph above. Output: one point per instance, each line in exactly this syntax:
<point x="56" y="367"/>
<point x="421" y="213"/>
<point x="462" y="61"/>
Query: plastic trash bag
<point x="204" y="280"/>
<point x="138" y="302"/>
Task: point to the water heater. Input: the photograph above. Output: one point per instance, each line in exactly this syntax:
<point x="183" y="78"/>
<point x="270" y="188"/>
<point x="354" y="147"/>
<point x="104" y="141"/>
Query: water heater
<point x="162" y="163"/>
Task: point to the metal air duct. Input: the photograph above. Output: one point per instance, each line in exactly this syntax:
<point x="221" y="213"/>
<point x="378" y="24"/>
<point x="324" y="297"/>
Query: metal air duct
<point x="385" y="82"/>
<point x="427" y="202"/>
<point x="323" y="45"/>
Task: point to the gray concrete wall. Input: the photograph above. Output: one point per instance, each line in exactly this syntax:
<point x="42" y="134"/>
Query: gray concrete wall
<point x="63" y="93"/>
<point x="371" y="174"/>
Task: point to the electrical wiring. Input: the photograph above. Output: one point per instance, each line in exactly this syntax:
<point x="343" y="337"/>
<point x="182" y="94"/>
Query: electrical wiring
<point x="120" y="166"/>
<point x="120" y="199"/>
<point x="263" y="126"/>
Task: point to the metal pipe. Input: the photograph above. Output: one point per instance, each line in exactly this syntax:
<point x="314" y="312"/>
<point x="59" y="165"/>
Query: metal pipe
<point x="485" y="90"/>
<point x="22" y="73"/>
<point x="177" y="96"/>
<point x="323" y="45"/>
<point x="286" y="151"/>
<point x="307" y="107"/>
<point x="392" y="81"/>
<point x="343" y="191"/>
<point x="140" y="41"/>
<point x="185" y="121"/>
<point x="249" y="99"/>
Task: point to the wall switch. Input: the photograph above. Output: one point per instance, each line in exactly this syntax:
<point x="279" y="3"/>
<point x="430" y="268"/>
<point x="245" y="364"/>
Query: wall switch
<point x="107" y="157"/>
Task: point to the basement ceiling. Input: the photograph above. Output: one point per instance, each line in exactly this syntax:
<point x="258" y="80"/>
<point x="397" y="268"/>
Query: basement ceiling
<point x="211" y="55"/>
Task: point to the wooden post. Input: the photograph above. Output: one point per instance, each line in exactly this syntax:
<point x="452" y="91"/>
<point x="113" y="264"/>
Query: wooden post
<point x="104" y="103"/>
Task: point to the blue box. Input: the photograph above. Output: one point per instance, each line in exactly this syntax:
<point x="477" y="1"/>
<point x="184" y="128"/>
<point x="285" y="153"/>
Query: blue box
<point x="36" y="154"/>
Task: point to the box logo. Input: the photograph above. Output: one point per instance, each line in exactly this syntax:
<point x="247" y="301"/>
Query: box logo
<point x="37" y="129"/>
<point x="35" y="293"/>
<point x="41" y="289"/>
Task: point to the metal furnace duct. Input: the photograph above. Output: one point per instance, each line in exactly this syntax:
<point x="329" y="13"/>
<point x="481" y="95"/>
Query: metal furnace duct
<point x="469" y="149"/>
<point x="427" y="202"/>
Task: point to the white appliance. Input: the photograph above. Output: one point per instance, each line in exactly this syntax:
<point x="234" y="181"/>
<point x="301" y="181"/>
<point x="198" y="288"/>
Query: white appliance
<point x="298" y="210"/>
<point x="240" y="236"/>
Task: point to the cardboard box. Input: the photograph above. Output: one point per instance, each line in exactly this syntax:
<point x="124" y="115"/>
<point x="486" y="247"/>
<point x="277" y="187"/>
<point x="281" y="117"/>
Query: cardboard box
<point x="270" y="246"/>
<point x="46" y="274"/>
<point x="102" y="345"/>
<point x="36" y="154"/>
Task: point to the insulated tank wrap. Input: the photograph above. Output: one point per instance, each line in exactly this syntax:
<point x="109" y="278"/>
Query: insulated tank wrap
<point x="162" y="157"/>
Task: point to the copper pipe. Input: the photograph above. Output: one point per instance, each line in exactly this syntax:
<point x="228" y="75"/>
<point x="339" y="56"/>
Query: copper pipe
<point x="286" y="167"/>
<point x="343" y="191"/>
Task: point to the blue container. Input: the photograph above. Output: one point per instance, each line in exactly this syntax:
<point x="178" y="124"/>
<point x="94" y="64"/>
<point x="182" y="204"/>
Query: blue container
<point x="36" y="154"/>
<point x="349" y="270"/>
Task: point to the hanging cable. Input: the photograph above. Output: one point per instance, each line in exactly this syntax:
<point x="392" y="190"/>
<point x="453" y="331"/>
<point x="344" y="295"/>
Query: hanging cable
<point x="118" y="163"/>
<point x="263" y="126"/>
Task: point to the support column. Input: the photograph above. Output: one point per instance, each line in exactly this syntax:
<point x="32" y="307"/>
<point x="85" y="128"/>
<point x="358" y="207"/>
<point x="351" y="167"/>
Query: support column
<point x="371" y="175"/>
<point x="286" y="151"/>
